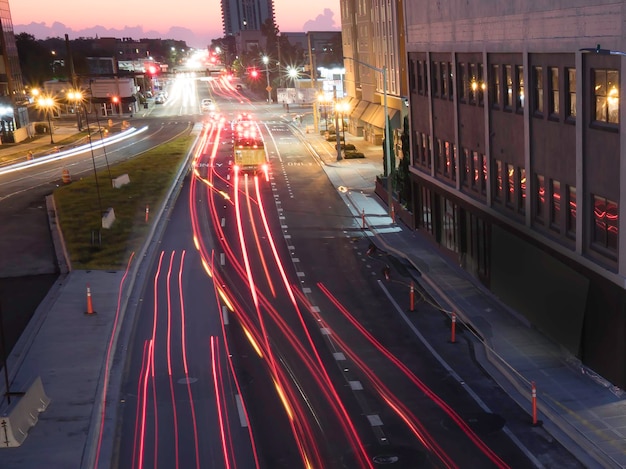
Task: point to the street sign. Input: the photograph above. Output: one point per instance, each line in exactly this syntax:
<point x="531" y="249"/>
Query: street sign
<point x="268" y="89"/>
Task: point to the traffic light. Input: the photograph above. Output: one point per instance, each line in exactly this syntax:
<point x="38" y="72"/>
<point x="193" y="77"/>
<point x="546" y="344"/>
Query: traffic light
<point x="254" y="73"/>
<point x="115" y="99"/>
<point x="152" y="70"/>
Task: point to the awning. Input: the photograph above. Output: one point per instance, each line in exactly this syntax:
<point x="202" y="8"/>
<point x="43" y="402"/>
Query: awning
<point x="123" y="99"/>
<point x="358" y="110"/>
<point x="378" y="120"/>
<point x="369" y="113"/>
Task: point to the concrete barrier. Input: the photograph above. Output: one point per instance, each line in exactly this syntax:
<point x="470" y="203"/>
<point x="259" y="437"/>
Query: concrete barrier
<point x="121" y="181"/>
<point x="24" y="414"/>
<point x="108" y="218"/>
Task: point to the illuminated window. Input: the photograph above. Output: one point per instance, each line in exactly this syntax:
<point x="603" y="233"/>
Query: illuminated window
<point x="554" y="91"/>
<point x="475" y="170"/>
<point x="571" y="93"/>
<point x="555" y="205"/>
<point x="538" y="82"/>
<point x="447" y="164"/>
<point x="519" y="72"/>
<point x="497" y="190"/>
<point x="473" y="91"/>
<point x="540" y="206"/>
<point x="450" y="81"/>
<point x="510" y="183"/>
<point x="606" y="94"/>
<point x="605" y="223"/>
<point x="483" y="178"/>
<point x="481" y="85"/>
<point x="444" y="79"/>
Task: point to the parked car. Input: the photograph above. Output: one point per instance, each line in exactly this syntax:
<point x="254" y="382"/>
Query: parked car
<point x="160" y="99"/>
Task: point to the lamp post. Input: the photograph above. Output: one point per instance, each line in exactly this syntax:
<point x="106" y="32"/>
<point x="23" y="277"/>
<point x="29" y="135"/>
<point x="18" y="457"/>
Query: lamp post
<point x="266" y="61"/>
<point x="76" y="97"/>
<point x="342" y="108"/>
<point x="383" y="71"/>
<point x="47" y="103"/>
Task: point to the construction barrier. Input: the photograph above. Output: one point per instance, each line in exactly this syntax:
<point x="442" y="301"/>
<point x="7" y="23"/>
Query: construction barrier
<point x="66" y="176"/>
<point x="19" y="418"/>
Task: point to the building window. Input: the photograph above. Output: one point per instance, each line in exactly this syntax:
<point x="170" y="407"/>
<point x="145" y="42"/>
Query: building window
<point x="434" y="73"/>
<point x="571" y="93"/>
<point x="497" y="190"/>
<point x="510" y="184"/>
<point x="540" y="206"/>
<point x="417" y="149"/>
<point x="420" y="77"/>
<point x="538" y="82"/>
<point x="482" y="86"/>
<point x="466" y="172"/>
<point x="571" y="211"/>
<point x="473" y="84"/>
<point x="453" y="162"/>
<point x="554" y="107"/>
<point x="606" y="94"/>
<point x="555" y="205"/>
<point x="425" y="151"/>
<point x="519" y="77"/>
<point x="508" y="82"/>
<point x="446" y="156"/>
<point x="449" y="225"/>
<point x="521" y="190"/>
<point x="605" y="218"/>
<point x="495" y="85"/>
<point x="439" y="156"/>
<point x="462" y="82"/>
<point x="475" y="170"/>
<point x="450" y="82"/>
<point x="444" y="79"/>
<point x="427" y="217"/>
<point x="412" y="74"/>
<point x="483" y="178"/>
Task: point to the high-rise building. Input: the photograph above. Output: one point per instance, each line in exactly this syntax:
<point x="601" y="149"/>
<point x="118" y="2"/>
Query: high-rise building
<point x="244" y="15"/>
<point x="13" y="113"/>
<point x="517" y="159"/>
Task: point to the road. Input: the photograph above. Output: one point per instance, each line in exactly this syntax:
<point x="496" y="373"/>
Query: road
<point x="267" y="334"/>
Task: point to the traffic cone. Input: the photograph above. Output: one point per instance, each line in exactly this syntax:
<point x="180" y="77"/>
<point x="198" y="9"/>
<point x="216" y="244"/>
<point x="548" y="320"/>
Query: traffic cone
<point x="89" y="304"/>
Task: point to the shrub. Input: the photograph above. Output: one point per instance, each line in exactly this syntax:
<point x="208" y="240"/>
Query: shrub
<point x="350" y="154"/>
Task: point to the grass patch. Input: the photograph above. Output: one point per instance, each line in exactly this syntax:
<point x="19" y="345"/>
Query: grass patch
<point x="43" y="148"/>
<point x="78" y="209"/>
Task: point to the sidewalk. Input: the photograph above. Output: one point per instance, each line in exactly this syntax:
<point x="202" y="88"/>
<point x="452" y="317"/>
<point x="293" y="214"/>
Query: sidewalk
<point x="580" y="409"/>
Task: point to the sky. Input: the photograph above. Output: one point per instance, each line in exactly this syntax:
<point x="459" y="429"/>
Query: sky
<point x="194" y="21"/>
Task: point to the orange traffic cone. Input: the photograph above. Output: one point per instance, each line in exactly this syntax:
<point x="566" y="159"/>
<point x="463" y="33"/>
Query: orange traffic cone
<point x="89" y="304"/>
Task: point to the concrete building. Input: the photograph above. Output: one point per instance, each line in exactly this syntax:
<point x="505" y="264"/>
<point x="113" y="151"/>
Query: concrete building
<point x="13" y="99"/>
<point x="517" y="135"/>
<point x="242" y="15"/>
<point x="373" y="40"/>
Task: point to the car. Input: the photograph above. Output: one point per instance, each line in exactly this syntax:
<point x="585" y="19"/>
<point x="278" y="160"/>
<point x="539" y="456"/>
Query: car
<point x="207" y="105"/>
<point x="239" y="87"/>
<point x="160" y="99"/>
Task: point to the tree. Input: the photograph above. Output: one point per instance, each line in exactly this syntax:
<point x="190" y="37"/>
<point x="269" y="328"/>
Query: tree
<point x="30" y="51"/>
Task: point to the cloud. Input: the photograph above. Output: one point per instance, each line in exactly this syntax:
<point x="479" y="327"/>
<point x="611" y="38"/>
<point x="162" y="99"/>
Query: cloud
<point x="323" y="22"/>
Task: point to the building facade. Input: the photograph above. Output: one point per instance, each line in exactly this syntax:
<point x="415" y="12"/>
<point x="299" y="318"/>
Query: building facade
<point x="517" y="135"/>
<point x="373" y="40"/>
<point x="242" y="15"/>
<point x="13" y="112"/>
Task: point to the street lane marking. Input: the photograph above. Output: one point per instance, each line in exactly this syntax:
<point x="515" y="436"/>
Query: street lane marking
<point x="242" y="418"/>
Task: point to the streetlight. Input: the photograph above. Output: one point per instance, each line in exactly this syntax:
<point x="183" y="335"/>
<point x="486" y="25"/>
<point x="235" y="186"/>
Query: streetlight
<point x="47" y="103"/>
<point x="383" y="70"/>
<point x="76" y="97"/>
<point x="266" y="61"/>
<point x="294" y="74"/>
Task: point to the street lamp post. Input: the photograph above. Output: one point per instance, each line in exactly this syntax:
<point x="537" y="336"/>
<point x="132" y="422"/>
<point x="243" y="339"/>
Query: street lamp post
<point x="388" y="173"/>
<point x="47" y="103"/>
<point x="77" y="97"/>
<point x="266" y="61"/>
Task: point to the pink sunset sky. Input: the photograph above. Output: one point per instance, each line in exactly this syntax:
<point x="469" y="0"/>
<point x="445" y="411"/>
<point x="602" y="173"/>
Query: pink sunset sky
<point x="196" y="22"/>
